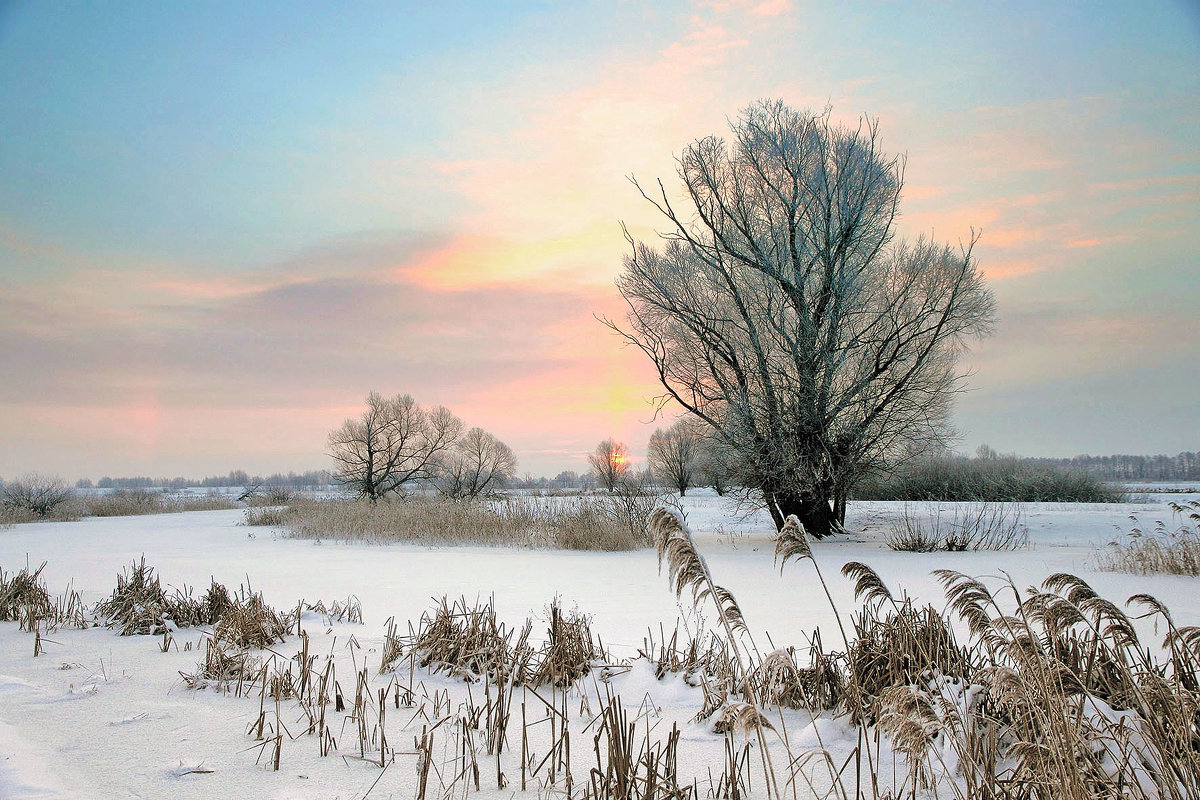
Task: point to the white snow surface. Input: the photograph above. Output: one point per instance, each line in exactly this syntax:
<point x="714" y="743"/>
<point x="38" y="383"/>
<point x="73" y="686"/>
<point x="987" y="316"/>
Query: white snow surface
<point x="99" y="715"/>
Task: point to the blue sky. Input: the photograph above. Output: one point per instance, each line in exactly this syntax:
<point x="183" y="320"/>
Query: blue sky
<point x="221" y="226"/>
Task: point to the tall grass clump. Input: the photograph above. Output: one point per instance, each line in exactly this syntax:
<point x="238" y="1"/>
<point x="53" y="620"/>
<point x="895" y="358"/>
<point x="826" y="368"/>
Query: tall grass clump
<point x="1174" y="551"/>
<point x="981" y="526"/>
<point x="997" y="480"/>
<point x="139" y="605"/>
<point x="268" y="516"/>
<point x="22" y="596"/>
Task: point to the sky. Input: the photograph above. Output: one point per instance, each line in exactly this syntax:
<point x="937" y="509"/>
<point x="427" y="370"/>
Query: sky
<point x="223" y="224"/>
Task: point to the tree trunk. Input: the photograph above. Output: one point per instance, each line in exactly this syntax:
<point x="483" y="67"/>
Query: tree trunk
<point x="815" y="514"/>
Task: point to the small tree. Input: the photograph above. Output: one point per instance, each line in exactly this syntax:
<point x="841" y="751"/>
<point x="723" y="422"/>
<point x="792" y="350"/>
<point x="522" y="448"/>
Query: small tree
<point x="673" y="454"/>
<point x="479" y="463"/>
<point x="395" y="441"/>
<point x="713" y="461"/>
<point x="34" y="495"/>
<point x="609" y="463"/>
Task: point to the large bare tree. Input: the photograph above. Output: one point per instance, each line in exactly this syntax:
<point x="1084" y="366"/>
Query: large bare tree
<point x="478" y="463"/>
<point x="782" y="310"/>
<point x="394" y="442"/>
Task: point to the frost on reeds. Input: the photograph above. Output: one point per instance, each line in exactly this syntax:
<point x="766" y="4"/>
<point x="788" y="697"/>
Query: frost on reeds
<point x="463" y="640"/>
<point x="696" y="656"/>
<point x="1174" y="551"/>
<point x="580" y="523"/>
<point x="242" y="623"/>
<point x="570" y="649"/>
<point x="24" y="600"/>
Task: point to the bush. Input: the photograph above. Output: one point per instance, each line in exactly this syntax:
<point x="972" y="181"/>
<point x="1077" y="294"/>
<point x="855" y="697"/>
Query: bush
<point x="34" y="497"/>
<point x="996" y="480"/>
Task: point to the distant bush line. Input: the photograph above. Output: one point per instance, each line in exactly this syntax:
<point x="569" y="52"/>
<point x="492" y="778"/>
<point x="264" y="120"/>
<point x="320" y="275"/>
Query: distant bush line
<point x="995" y="480"/>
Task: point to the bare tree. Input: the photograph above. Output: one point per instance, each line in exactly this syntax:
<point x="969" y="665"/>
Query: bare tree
<point x="782" y="310"/>
<point x="609" y="463"/>
<point x="395" y="441"/>
<point x="478" y="463"/>
<point x="674" y="454"/>
<point x="713" y="461"/>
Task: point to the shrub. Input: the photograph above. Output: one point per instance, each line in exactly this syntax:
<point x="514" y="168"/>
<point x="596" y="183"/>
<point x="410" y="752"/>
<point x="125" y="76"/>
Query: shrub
<point x="33" y="497"/>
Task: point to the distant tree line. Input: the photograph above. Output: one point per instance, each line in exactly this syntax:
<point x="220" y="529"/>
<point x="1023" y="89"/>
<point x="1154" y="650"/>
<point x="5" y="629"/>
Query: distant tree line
<point x="311" y="479"/>
<point x="1181" y="467"/>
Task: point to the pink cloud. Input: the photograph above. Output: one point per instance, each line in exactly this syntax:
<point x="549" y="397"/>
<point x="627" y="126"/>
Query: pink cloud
<point x="1098" y="241"/>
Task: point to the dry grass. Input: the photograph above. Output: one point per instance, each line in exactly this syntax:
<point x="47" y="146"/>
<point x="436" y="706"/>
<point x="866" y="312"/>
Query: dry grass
<point x="36" y="501"/>
<point x="139" y="604"/>
<point x="134" y="502"/>
<point x="593" y="523"/>
<point x="1174" y="551"/>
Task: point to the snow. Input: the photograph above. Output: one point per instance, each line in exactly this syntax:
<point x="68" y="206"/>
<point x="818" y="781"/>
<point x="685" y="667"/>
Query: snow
<point x="102" y="715"/>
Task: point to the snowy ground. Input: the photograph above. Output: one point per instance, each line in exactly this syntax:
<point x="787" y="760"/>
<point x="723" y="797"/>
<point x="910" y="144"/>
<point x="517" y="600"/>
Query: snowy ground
<point x="104" y="716"/>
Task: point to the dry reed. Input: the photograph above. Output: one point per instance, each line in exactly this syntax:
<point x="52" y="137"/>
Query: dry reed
<point x="1174" y="551"/>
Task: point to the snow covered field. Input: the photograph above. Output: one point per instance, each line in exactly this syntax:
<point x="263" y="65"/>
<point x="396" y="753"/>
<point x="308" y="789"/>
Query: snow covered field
<point x="98" y="715"/>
